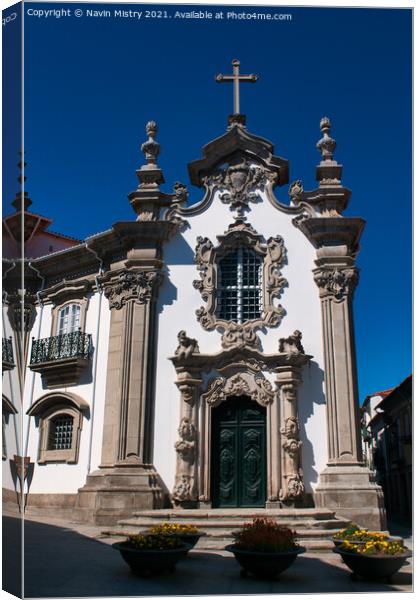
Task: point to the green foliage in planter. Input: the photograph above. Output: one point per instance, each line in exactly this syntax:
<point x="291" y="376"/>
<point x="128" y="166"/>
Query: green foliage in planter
<point x="265" y="535"/>
<point x="161" y="541"/>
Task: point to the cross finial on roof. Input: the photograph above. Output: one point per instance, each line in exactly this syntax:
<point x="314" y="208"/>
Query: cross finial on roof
<point x="236" y="78"/>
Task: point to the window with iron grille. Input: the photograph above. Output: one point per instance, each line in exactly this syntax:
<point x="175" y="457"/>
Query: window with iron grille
<point x="239" y="294"/>
<point x="61" y="433"/>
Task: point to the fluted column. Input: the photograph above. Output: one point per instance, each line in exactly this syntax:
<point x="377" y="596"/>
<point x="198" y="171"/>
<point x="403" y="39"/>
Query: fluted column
<point x="336" y="285"/>
<point x="129" y="385"/>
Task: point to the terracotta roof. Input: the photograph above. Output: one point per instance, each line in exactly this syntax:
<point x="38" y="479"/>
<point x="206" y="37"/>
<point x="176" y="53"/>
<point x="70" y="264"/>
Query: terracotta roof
<point x="383" y="394"/>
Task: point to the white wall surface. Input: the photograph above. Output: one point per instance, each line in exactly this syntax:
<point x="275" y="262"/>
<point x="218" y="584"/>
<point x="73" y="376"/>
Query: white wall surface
<point x="179" y="301"/>
<point x="62" y="477"/>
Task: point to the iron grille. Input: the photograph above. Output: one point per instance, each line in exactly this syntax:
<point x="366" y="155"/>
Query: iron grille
<point x="7" y="350"/>
<point x="61" y="433"/>
<point x="240" y="290"/>
<point x="67" y="345"/>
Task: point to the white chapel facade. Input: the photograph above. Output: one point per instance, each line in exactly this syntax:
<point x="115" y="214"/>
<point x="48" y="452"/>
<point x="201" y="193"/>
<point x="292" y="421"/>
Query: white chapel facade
<point x="197" y="356"/>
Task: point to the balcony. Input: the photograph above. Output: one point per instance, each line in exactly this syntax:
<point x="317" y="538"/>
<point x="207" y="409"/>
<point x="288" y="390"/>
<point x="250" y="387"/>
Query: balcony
<point x="7" y="362"/>
<point x="61" y="359"/>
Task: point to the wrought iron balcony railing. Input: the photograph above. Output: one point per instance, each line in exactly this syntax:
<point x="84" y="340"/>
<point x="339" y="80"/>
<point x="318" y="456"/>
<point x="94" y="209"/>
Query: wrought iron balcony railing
<point x="7" y="351"/>
<point x="67" y="345"/>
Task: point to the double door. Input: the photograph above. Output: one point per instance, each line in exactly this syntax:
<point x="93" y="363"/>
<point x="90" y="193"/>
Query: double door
<point x="238" y="462"/>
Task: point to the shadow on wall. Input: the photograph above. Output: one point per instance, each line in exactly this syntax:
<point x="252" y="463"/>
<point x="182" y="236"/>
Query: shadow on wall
<point x="310" y="393"/>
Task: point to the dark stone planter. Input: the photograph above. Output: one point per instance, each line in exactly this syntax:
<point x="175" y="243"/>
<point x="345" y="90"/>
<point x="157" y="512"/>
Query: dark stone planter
<point x="150" y="562"/>
<point x="264" y="564"/>
<point x="190" y="538"/>
<point x="373" y="567"/>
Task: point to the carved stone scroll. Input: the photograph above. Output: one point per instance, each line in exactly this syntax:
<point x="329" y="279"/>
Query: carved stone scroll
<point x="240" y="384"/>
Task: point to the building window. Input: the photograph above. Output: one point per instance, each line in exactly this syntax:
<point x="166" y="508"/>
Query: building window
<point x="68" y="319"/>
<point x="239" y="291"/>
<point x="60" y="433"/>
<point x="60" y="420"/>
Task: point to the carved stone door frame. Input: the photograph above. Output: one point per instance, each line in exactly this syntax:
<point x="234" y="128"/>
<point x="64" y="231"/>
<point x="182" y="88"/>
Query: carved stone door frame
<point x="244" y="383"/>
<point x="239" y="372"/>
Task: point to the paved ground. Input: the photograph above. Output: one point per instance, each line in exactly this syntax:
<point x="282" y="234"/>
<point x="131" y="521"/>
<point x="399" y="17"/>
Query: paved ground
<point x="74" y="562"/>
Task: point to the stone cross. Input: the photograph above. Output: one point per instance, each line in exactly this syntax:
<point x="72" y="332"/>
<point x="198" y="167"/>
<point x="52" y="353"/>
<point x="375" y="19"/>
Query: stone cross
<point x="236" y="78"/>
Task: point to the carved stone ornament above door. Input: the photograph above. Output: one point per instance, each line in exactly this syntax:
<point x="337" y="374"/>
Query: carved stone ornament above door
<point x="207" y="257"/>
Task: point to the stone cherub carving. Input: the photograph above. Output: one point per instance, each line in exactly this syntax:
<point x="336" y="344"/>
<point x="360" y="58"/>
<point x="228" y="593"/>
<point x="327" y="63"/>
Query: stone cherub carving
<point x="187" y="346"/>
<point x="186" y="445"/>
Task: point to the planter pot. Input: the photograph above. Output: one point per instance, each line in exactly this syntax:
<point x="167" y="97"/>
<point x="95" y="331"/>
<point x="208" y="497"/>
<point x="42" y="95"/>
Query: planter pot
<point x="190" y="538"/>
<point x="373" y="567"/>
<point x="264" y="564"/>
<point x="150" y="562"/>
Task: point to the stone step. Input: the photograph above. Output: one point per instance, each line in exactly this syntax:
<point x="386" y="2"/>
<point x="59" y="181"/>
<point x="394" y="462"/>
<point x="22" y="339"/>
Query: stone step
<point x="313" y="540"/>
<point x="314" y="527"/>
<point x="146" y="522"/>
<point x="239" y="514"/>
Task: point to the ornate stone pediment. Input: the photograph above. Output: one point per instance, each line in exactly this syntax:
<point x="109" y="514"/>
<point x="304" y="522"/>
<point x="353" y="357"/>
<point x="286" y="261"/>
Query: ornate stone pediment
<point x="240" y="384"/>
<point x="207" y="257"/>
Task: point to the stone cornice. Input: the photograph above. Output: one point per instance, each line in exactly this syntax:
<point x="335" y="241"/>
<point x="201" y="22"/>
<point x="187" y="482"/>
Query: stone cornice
<point x="103" y="248"/>
<point x="235" y="360"/>
<point x="333" y="232"/>
<point x="67" y="290"/>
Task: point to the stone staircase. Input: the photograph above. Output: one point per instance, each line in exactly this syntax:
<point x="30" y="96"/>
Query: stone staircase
<point x="314" y="526"/>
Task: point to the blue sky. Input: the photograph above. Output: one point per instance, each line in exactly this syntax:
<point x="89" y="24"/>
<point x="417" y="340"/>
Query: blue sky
<point x="92" y="84"/>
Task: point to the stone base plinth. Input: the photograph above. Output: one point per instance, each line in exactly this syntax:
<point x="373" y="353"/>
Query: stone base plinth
<point x="352" y="493"/>
<point x="114" y="493"/>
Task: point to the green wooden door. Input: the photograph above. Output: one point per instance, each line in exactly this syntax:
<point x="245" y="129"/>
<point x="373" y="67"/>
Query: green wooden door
<point x="238" y="464"/>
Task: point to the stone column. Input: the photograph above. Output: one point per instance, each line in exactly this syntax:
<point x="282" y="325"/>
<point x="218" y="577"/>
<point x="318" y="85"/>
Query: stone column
<point x="346" y="485"/>
<point x="292" y="485"/>
<point x="336" y="286"/>
<point x="185" y="491"/>
<point x="126" y="480"/>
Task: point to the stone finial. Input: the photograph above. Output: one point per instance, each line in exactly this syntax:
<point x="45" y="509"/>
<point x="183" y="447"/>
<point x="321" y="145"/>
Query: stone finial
<point x="296" y="191"/>
<point x="150" y="175"/>
<point x="151" y="148"/>
<point x="327" y="144"/>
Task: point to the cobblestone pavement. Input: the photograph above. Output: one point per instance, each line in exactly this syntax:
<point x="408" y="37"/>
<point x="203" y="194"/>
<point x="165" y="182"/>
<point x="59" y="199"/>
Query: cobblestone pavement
<point x="73" y="560"/>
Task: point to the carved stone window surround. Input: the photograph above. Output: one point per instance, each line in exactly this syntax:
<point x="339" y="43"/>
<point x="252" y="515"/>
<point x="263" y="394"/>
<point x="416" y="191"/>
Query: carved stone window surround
<point x="207" y="257"/>
<point x="46" y="409"/>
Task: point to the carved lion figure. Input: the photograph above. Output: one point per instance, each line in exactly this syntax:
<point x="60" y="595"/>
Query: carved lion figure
<point x="187" y="346"/>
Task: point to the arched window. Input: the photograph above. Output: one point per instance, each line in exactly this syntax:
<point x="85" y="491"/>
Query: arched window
<point x="60" y="419"/>
<point x="68" y="319"/>
<point x="239" y="293"/>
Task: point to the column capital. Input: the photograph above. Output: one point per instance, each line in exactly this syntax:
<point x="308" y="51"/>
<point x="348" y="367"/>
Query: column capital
<point x="126" y="285"/>
<point x="336" y="282"/>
